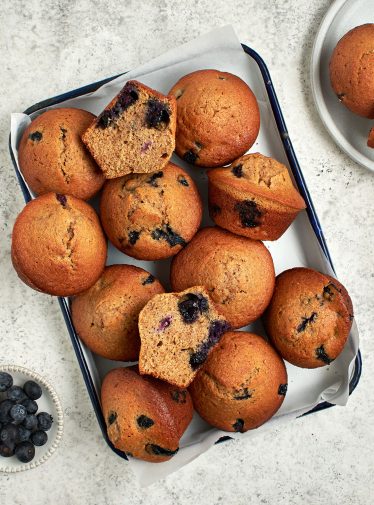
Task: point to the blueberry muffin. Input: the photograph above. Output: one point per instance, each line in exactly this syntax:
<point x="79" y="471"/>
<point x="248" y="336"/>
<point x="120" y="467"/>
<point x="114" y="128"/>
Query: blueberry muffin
<point x="309" y="317"/>
<point x="134" y="133"/>
<point x="106" y="315"/>
<point x="151" y="216"/>
<point x="254" y="197"/>
<point x="242" y="384"/>
<point x="53" y="158"/>
<point x="237" y="272"/>
<point x="352" y="70"/>
<point x="58" y="246"/>
<point x="218" y="117"/>
<point x="177" y="332"/>
<point x="371" y="138"/>
<point x="145" y="417"/>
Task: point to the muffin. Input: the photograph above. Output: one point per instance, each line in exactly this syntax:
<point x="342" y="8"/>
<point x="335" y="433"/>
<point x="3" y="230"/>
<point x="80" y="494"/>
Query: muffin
<point x="371" y="138"/>
<point x="309" y="317"/>
<point x="254" y="197"/>
<point x="237" y="272"/>
<point x="151" y="216"/>
<point x="53" y="158"/>
<point x="134" y="133"/>
<point x="106" y="315"/>
<point x="218" y="117"/>
<point x="242" y="384"/>
<point x="58" y="246"/>
<point x="352" y="70"/>
<point x="145" y="417"/>
<point x="177" y="332"/>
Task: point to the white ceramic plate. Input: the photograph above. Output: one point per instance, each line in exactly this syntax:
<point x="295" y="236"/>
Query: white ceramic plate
<point x="349" y="131"/>
<point x="48" y="402"/>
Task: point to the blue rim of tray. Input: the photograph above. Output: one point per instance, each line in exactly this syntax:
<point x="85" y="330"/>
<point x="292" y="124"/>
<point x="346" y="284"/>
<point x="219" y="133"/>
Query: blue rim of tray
<point x="295" y="167"/>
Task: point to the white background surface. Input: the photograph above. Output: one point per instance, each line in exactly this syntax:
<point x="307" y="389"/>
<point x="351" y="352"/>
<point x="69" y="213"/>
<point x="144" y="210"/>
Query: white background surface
<point x="49" y="47"/>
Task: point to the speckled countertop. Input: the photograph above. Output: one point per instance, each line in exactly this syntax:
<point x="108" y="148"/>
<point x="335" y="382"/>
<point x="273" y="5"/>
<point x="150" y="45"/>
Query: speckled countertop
<point x="47" y="47"/>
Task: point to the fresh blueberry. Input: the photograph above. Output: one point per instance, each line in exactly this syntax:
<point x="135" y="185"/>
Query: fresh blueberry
<point x="145" y="422"/>
<point x="158" y="114"/>
<point x="16" y="394"/>
<point x="5" y="407"/>
<point x="33" y="390"/>
<point x="30" y="422"/>
<point x="191" y="306"/>
<point x="23" y="434"/>
<point x="25" y="452"/>
<point x="45" y="421"/>
<point x="249" y="213"/>
<point x="39" y="438"/>
<point x="6" y="451"/>
<point x="159" y="451"/>
<point x="18" y="413"/>
<point x="36" y="136"/>
<point x="9" y="434"/>
<point x="6" y="381"/>
<point x="30" y="405"/>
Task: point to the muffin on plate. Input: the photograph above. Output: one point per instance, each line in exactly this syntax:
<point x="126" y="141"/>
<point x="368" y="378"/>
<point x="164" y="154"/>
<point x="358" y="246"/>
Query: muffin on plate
<point x="242" y="384"/>
<point x="237" y="272"/>
<point x="218" y="117"/>
<point x="134" y="133"/>
<point x="106" y="315"/>
<point x="352" y="70"/>
<point x="145" y="417"/>
<point x="177" y="332"/>
<point x="254" y="197"/>
<point x="53" y="158"/>
<point x="151" y="216"/>
<point x="309" y="317"/>
<point x="58" y="246"/>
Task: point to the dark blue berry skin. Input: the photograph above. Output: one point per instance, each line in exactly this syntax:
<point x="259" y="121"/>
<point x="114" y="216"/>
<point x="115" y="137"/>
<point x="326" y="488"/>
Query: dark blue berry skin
<point x="36" y="136"/>
<point x="182" y="180"/>
<point x="133" y="237"/>
<point x="8" y="435"/>
<point x="30" y="405"/>
<point x="33" y="390"/>
<point x="168" y="234"/>
<point x="30" y="422"/>
<point x="25" y="452"/>
<point x="322" y="355"/>
<point x="149" y="280"/>
<point x="145" y="422"/>
<point x="305" y="321"/>
<point x="238" y="425"/>
<point x="216" y="330"/>
<point x="44" y="421"/>
<point x="190" y="157"/>
<point x="282" y="390"/>
<point x="112" y="417"/>
<point x="153" y="179"/>
<point x="6" y="381"/>
<point x="158" y="114"/>
<point x="39" y="438"/>
<point x="249" y="213"/>
<point x="16" y="394"/>
<point x="127" y="97"/>
<point x="23" y="434"/>
<point x="159" y="451"/>
<point x="191" y="306"/>
<point x="6" y="451"/>
<point x="238" y="171"/>
<point x="18" y="413"/>
<point x="5" y="407"/>
<point x="62" y="199"/>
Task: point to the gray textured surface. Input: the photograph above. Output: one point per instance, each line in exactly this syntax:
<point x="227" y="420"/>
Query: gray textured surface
<point x="52" y="46"/>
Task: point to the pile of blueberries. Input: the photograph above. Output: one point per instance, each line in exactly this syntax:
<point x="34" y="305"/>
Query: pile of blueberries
<point x="21" y="428"/>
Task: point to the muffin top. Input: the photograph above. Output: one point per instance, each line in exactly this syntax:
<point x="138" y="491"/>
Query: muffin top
<point x="58" y="246"/>
<point x="52" y="156"/>
<point x="218" y="118"/>
<point x="151" y="216"/>
<point x="352" y="70"/>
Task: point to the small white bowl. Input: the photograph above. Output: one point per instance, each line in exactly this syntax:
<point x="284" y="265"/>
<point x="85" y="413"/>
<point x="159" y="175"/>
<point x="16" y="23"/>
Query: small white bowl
<point x="49" y="402"/>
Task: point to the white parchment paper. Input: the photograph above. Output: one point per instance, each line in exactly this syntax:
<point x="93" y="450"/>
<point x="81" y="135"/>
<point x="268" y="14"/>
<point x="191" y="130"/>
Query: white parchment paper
<point x="299" y="246"/>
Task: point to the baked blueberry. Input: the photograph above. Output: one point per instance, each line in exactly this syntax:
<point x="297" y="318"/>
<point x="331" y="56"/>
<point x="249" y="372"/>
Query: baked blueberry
<point x="179" y="395"/>
<point x="16" y="394"/>
<point x="39" y="438"/>
<point x="112" y="417"/>
<point x="160" y="451"/>
<point x="6" y="381"/>
<point x="18" y="413"/>
<point x="182" y="180"/>
<point x="45" y="421"/>
<point x="62" y="199"/>
<point x="36" y="136"/>
<point x="238" y="425"/>
<point x="128" y="96"/>
<point x="145" y="422"/>
<point x="168" y="234"/>
<point x="191" y="306"/>
<point x="164" y="323"/>
<point x="158" y="114"/>
<point x="30" y="422"/>
<point x="322" y="355"/>
<point x="305" y="321"/>
<point x="238" y="171"/>
<point x="190" y="157"/>
<point x="216" y="330"/>
<point x="249" y="213"/>
<point x="242" y="394"/>
<point x="133" y="237"/>
<point x="282" y="390"/>
<point x="33" y="390"/>
<point x="25" y="452"/>
<point x="153" y="179"/>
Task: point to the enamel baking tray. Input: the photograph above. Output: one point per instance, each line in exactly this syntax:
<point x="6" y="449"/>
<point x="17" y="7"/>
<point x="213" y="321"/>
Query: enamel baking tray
<point x="86" y="361"/>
